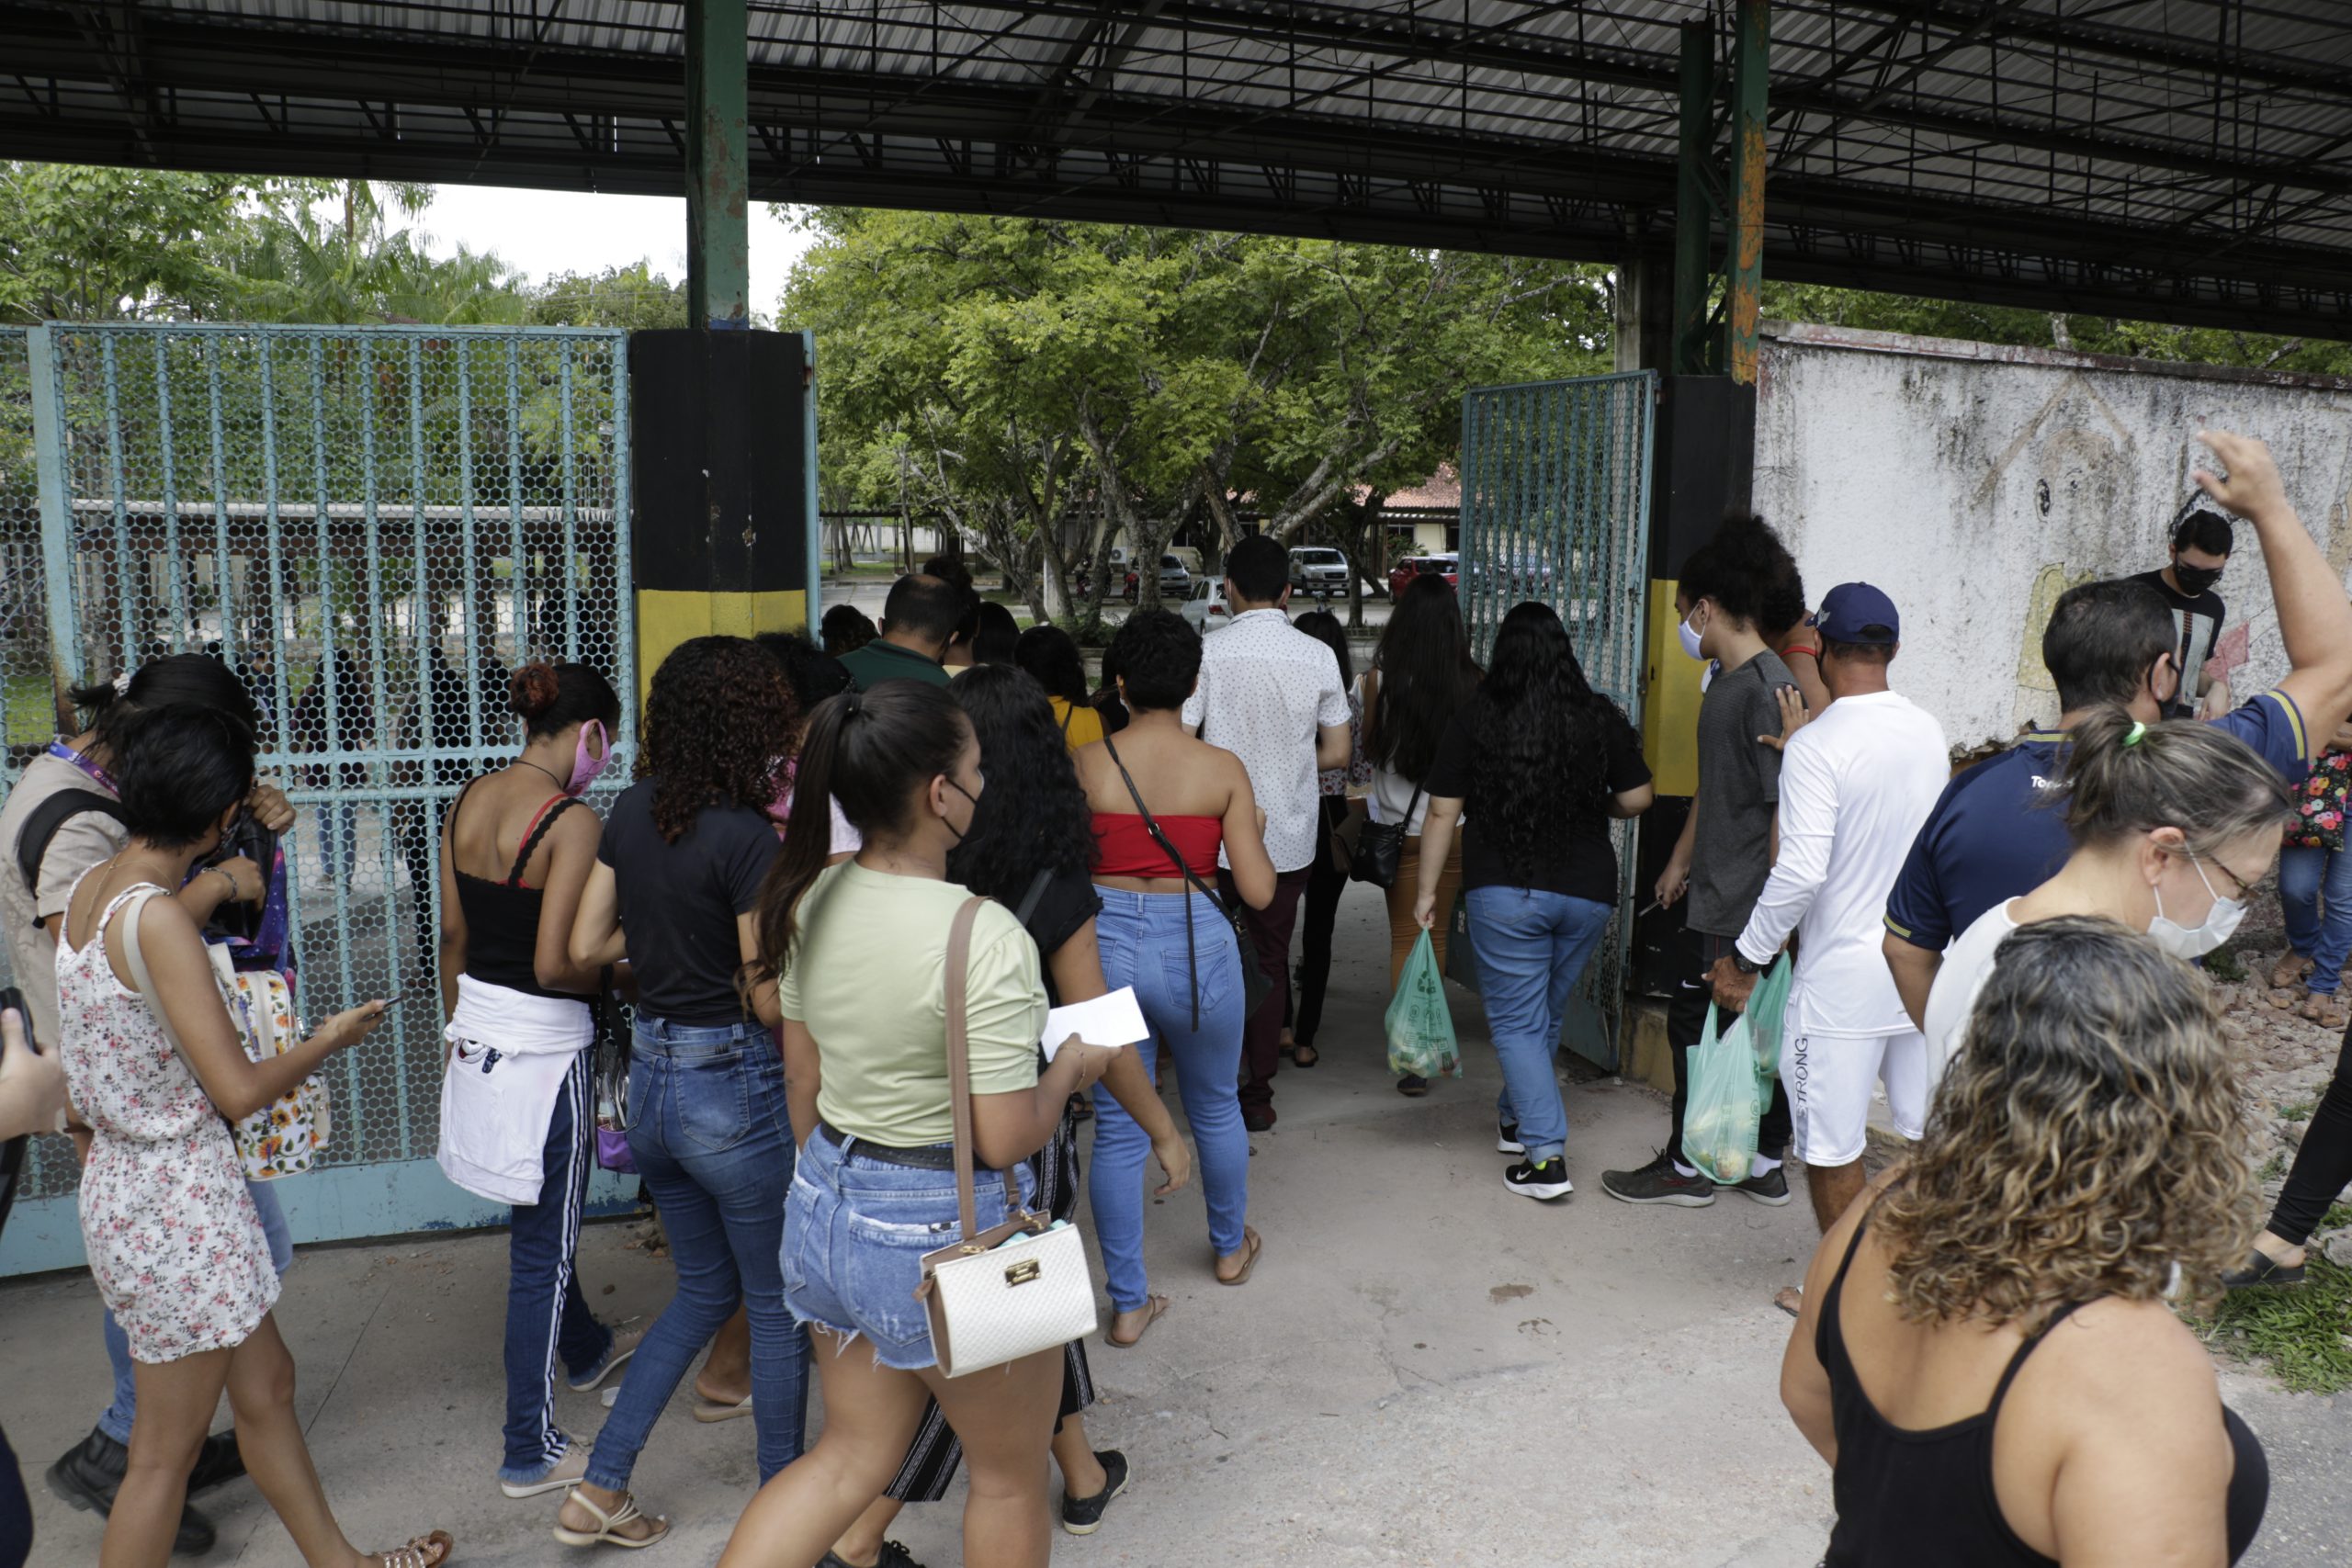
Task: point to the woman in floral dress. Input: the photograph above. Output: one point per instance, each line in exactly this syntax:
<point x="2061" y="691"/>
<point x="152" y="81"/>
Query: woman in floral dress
<point x="171" y="1234"/>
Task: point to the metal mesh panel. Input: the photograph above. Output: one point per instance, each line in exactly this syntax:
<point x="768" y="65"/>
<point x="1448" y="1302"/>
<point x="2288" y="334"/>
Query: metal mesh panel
<point x="372" y="526"/>
<point x="28" y="714"/>
<point x="1556" y="490"/>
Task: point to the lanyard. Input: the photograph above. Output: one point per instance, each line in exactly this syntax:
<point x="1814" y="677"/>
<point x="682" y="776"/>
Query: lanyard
<point x="64" y="754"/>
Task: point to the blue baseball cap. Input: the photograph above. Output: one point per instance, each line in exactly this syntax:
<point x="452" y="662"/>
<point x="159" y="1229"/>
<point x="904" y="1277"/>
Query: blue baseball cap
<point x="1855" y="612"/>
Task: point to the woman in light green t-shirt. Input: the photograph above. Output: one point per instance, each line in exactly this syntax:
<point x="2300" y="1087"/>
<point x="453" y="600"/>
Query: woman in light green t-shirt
<point x="859" y="952"/>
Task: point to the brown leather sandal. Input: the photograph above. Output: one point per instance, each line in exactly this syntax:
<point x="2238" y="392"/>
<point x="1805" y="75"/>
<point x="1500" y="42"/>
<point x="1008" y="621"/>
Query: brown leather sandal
<point x="2292" y="969"/>
<point x="422" y="1552"/>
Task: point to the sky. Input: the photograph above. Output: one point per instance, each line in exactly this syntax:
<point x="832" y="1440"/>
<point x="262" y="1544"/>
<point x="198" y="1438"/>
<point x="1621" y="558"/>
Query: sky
<point x="547" y="232"/>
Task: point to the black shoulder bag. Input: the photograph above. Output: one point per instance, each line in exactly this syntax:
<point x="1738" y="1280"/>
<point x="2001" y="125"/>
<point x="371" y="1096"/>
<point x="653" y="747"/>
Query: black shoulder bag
<point x="1380" y="848"/>
<point x="1255" y="983"/>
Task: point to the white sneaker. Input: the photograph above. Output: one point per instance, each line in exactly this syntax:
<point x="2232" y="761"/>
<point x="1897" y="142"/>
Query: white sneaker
<point x="572" y="1467"/>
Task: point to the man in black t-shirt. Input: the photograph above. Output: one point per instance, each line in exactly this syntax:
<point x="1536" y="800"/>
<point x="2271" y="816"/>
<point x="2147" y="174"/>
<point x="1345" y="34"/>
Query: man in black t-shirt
<point x="2202" y="540"/>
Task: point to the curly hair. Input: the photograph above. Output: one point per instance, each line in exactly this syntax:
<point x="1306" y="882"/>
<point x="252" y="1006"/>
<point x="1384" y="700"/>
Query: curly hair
<point x="1033" y="816"/>
<point x="1745" y="570"/>
<point x="1542" y="739"/>
<point x="1157" y="656"/>
<point x="718" y="722"/>
<point x="2085" y="1140"/>
<point x="1426" y="676"/>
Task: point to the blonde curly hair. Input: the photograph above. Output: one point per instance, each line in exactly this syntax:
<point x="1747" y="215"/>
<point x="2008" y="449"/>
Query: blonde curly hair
<point x="2087" y="1139"/>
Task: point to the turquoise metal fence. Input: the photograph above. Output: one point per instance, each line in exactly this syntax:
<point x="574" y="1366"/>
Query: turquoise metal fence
<point x="1556" y="490"/>
<point x="371" y="525"/>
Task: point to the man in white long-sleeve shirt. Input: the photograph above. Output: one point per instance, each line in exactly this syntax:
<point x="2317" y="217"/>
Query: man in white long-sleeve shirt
<point x="1856" y="784"/>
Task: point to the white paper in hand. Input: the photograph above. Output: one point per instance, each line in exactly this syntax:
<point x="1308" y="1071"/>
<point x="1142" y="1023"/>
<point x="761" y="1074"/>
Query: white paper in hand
<point x="1112" y="1020"/>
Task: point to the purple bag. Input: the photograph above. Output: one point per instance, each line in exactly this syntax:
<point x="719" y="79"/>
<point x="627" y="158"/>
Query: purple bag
<point x="612" y="1149"/>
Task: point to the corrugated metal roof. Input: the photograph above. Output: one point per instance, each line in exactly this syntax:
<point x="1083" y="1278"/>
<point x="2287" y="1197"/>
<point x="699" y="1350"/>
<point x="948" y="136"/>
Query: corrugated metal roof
<point x="2148" y="156"/>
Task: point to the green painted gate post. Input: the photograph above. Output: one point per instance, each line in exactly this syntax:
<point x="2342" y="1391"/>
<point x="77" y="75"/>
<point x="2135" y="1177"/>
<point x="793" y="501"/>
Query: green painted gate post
<point x="718" y="243"/>
<point x="1744" y="246"/>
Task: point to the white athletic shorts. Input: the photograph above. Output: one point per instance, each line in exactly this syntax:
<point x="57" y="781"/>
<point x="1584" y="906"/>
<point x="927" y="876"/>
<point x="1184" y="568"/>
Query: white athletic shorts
<point x="1829" y="1078"/>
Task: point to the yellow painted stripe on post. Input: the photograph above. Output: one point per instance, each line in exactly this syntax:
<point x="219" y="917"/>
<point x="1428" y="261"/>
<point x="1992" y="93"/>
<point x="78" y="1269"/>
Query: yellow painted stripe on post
<point x="1670" y="712"/>
<point x="666" y="617"/>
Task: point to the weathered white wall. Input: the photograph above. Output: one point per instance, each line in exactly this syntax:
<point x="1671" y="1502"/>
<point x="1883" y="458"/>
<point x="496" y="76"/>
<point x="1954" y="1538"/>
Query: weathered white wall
<point x="1975" y="483"/>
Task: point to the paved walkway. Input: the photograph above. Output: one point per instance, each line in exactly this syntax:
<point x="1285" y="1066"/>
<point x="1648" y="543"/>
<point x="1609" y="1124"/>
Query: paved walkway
<point x="1425" y="1369"/>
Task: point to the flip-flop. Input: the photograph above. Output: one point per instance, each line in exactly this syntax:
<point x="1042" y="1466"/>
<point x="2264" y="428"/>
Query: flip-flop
<point x="1251" y="1246"/>
<point x="707" y="1412"/>
<point x="1155" y="1308"/>
<point x="1305" y="1056"/>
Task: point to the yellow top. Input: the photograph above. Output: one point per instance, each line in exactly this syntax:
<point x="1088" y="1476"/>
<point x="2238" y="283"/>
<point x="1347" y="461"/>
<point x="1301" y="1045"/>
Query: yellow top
<point x="1081" y="727"/>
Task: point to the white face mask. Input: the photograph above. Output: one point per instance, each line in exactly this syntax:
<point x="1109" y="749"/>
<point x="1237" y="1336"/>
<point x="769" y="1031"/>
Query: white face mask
<point x="2196" y="942"/>
<point x="1689" y="639"/>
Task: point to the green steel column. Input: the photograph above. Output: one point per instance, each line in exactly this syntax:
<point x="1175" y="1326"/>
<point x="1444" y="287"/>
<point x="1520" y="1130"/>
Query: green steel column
<point x="1744" y="252"/>
<point x="1692" y="209"/>
<point x="719" y="235"/>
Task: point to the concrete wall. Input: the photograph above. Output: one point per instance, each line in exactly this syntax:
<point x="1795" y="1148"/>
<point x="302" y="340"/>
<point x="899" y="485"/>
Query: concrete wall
<point x="1975" y="483"/>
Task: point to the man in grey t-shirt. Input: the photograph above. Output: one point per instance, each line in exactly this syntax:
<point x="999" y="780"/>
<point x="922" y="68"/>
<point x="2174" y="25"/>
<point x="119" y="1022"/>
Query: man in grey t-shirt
<point x="1731" y="841"/>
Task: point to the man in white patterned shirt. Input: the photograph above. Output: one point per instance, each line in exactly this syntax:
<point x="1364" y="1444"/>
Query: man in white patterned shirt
<point x="1271" y="694"/>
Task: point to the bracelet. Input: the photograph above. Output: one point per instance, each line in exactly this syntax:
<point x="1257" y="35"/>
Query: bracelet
<point x="231" y="877"/>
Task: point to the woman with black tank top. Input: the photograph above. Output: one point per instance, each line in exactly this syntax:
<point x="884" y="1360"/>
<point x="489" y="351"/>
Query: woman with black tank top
<point x="1987" y="1357"/>
<point x="516" y="1111"/>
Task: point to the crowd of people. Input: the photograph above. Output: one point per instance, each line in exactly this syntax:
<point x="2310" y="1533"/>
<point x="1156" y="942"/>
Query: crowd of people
<point x="852" y="876"/>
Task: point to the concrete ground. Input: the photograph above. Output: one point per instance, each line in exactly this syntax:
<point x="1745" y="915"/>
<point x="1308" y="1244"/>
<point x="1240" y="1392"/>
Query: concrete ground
<point x="1426" y="1369"/>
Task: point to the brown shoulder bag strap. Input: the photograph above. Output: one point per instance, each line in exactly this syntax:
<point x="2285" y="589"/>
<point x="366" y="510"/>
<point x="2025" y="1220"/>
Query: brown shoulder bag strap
<point x="959" y="1060"/>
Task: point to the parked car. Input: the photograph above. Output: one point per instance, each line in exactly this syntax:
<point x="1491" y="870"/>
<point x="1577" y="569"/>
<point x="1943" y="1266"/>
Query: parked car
<point x="1175" y="583"/>
<point x="1206" y="611"/>
<point x="1318" y="569"/>
<point x="1447" y="564"/>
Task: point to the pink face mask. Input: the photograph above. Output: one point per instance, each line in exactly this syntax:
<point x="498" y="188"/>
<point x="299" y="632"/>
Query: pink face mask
<point x="587" y="764"/>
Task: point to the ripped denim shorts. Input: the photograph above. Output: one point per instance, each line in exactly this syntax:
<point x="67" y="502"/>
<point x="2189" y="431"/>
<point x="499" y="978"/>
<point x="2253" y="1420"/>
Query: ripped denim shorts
<point x="855" y="1229"/>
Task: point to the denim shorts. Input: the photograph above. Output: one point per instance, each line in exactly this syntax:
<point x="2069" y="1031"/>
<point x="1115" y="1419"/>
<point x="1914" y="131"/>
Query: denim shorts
<point x="855" y="1229"/>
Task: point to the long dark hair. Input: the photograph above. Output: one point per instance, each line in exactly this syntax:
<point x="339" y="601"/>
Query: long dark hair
<point x="192" y="678"/>
<point x="1543" y="735"/>
<point x="719" y="718"/>
<point x="996" y="633"/>
<point x="1325" y="628"/>
<point x="1425" y="675"/>
<point x="1051" y="655"/>
<point x="868" y="750"/>
<point x="1033" y="816"/>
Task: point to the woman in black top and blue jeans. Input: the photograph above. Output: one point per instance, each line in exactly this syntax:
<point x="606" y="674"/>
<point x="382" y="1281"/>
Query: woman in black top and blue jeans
<point x="1543" y="763"/>
<point x="676" y="890"/>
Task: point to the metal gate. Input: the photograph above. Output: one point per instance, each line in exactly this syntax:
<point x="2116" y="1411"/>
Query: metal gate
<point x="371" y="525"/>
<point x="1555" y="493"/>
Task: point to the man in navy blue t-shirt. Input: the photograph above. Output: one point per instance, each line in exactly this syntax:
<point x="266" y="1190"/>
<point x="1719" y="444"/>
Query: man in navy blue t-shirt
<point x="1998" y="832"/>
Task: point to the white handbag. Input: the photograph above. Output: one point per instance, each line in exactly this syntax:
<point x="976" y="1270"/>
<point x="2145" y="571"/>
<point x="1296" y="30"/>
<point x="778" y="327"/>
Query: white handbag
<point x="1016" y="1289"/>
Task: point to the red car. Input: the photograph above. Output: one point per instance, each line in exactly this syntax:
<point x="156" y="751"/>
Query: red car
<point x="1448" y="566"/>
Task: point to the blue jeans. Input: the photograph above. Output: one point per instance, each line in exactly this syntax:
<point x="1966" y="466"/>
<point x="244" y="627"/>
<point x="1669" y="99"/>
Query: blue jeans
<point x="1142" y="939"/>
<point x="1530" y="947"/>
<point x="713" y="1141"/>
<point x="547" y="1317"/>
<point x="2307" y="878"/>
<point x="116" y="1422"/>
<point x="854" y="1234"/>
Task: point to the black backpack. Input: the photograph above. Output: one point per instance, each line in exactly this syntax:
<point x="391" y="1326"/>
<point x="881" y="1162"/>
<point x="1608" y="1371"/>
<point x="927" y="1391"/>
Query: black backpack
<point x="47" y="818"/>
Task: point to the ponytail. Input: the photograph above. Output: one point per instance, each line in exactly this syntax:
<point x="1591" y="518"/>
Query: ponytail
<point x="870" y="751"/>
<point x="2126" y="777"/>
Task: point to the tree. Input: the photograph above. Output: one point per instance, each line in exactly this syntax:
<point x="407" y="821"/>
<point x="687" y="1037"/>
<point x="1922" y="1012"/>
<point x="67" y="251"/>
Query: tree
<point x="1047" y="385"/>
<point x="118" y="244"/>
<point x="635" y="299"/>
<point x="329" y="251"/>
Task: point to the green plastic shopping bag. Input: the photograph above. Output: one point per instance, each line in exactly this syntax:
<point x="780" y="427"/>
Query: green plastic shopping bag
<point x="1420" y="1026"/>
<point x="1731" y="1075"/>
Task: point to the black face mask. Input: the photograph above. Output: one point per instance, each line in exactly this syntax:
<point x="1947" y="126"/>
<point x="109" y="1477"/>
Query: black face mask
<point x="977" y="828"/>
<point x="2196" y="578"/>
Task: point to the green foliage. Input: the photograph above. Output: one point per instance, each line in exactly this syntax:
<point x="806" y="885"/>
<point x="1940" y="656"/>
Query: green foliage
<point x="1043" y="385"/>
<point x="2046" y="328"/>
<point x="635" y="298"/>
<point x="2299" y="1111"/>
<point x="2305" y="1334"/>
<point x="100" y="244"/>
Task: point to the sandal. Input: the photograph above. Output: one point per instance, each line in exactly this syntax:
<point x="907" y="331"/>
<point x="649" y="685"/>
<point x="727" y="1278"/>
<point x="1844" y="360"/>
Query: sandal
<point x="607" y="1524"/>
<point x="1412" y="1086"/>
<point x="2290" y="970"/>
<point x="1302" y="1054"/>
<point x="2261" y="1269"/>
<point x="422" y="1552"/>
<point x="1155" y="1308"/>
<point x="707" y="1411"/>
<point x="2325" y="1010"/>
<point x="1252" y="1246"/>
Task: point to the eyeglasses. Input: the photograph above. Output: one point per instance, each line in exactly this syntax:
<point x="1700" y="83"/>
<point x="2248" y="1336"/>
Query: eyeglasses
<point x="2245" y="890"/>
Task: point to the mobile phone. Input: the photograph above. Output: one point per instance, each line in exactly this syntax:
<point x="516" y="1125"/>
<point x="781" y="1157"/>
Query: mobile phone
<point x="390" y="1002"/>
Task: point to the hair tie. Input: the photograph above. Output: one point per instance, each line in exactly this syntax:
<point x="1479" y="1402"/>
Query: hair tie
<point x="856" y="706"/>
<point x="2138" y="730"/>
<point x="122" y="683"/>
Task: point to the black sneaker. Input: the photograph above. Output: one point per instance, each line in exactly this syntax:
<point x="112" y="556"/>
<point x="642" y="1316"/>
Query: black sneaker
<point x="1506" y="1139"/>
<point x="1771" y="1189"/>
<point x="88" y="1476"/>
<point x="893" y="1555"/>
<point x="216" y="1461"/>
<point x="1549" y="1180"/>
<point x="1083" y="1516"/>
<point x="1658" y="1182"/>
